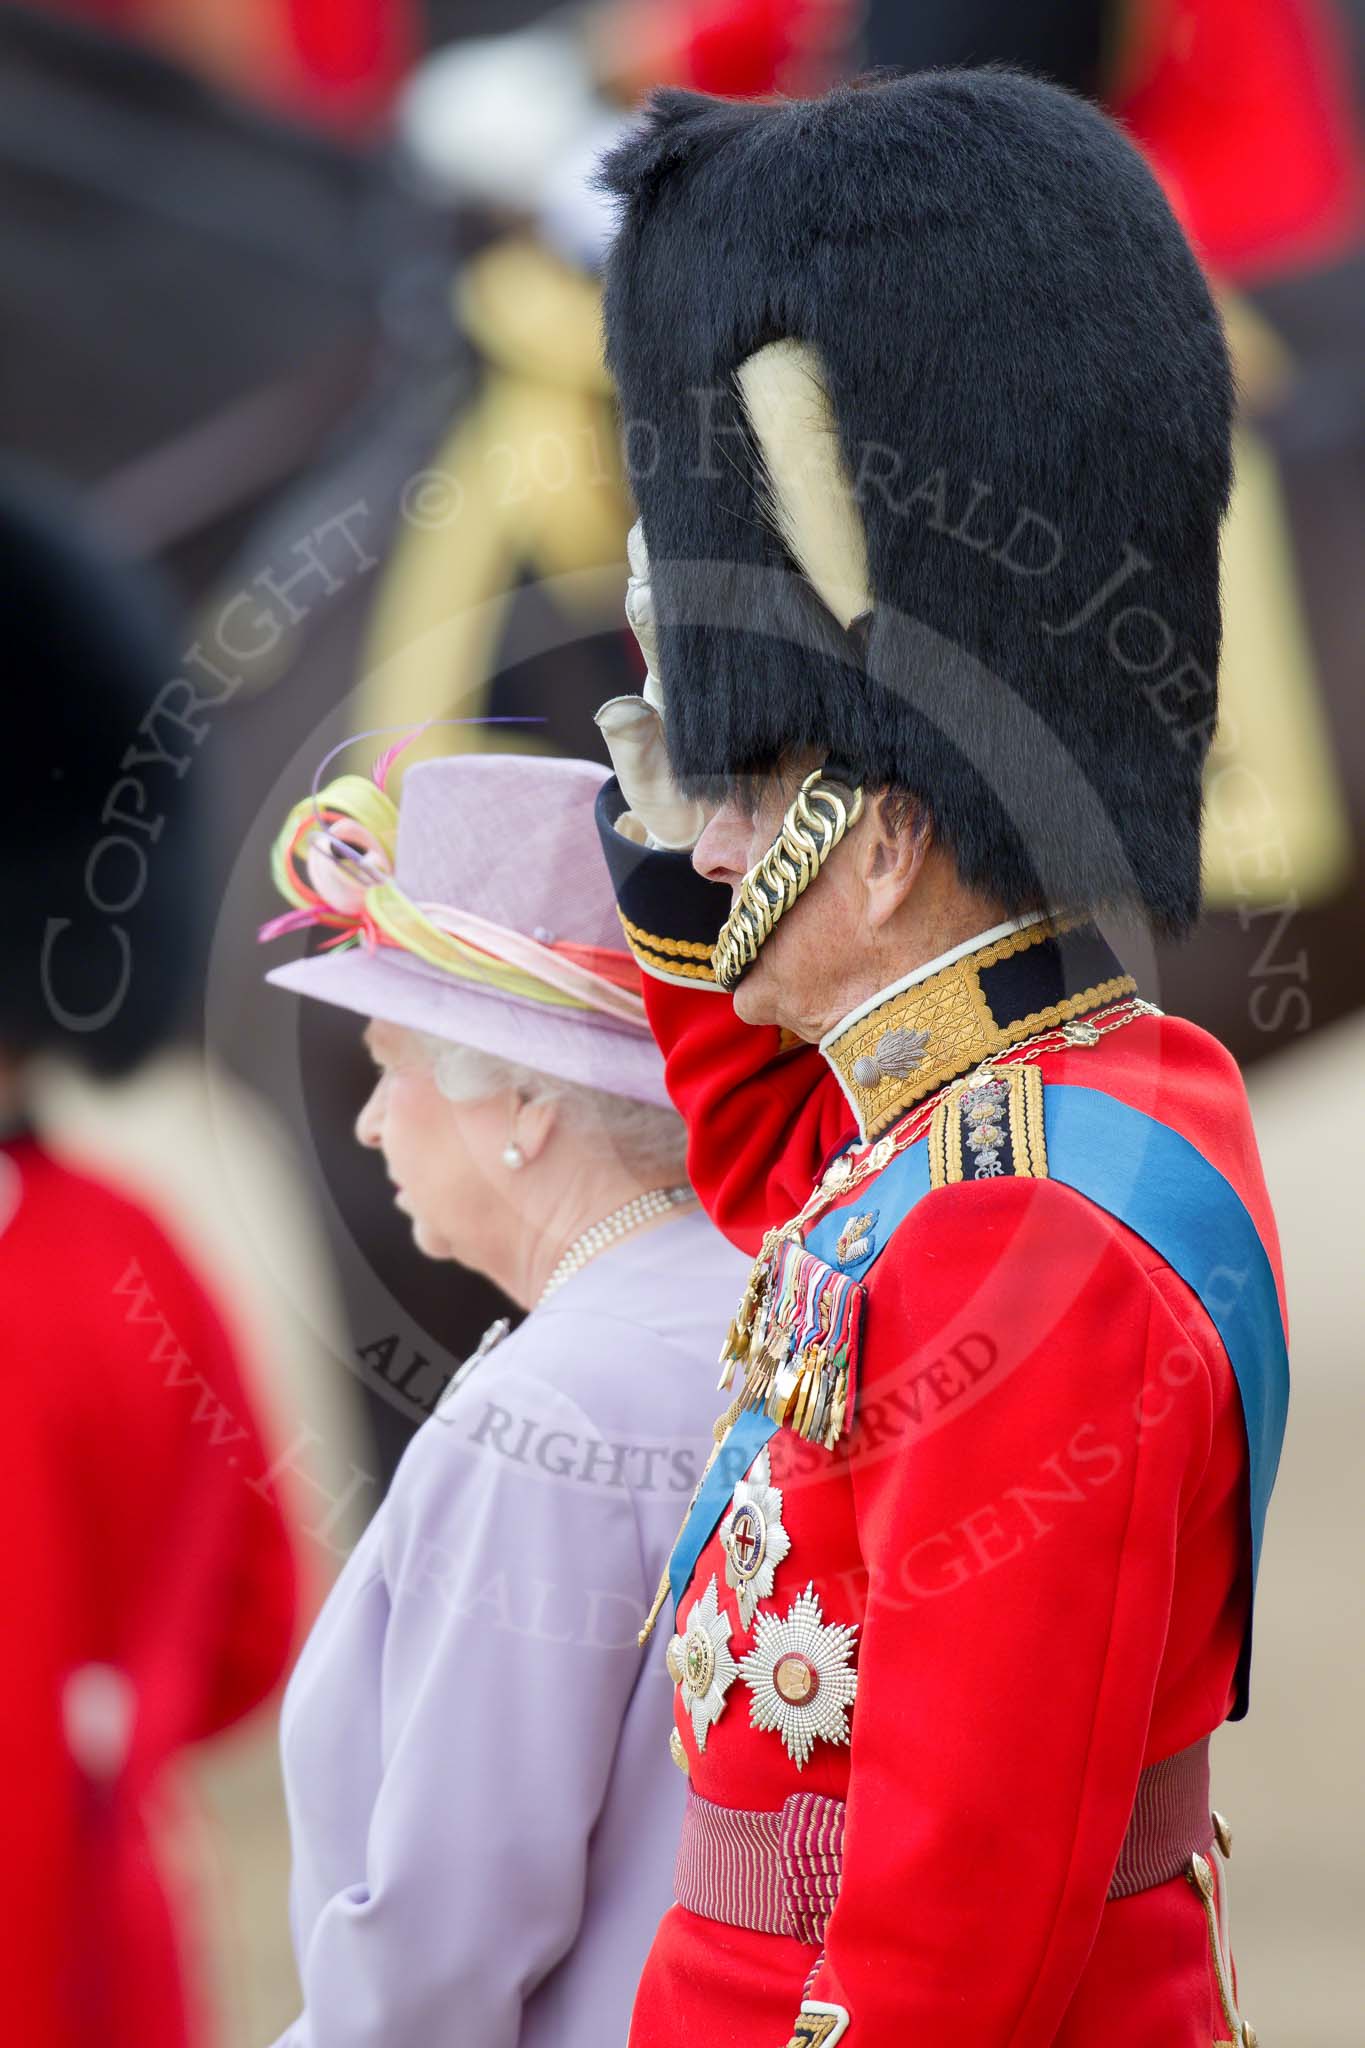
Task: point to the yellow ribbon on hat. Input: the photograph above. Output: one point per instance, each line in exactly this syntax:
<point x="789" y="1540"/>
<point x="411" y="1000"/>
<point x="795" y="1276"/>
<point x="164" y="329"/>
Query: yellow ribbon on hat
<point x="359" y="898"/>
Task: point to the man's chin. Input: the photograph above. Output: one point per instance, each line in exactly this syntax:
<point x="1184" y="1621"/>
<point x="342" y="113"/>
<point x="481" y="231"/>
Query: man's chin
<point x="754" y="999"/>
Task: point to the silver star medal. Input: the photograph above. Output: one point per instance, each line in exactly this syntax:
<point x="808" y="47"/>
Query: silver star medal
<point x="799" y="1674"/>
<point x="753" y="1538"/>
<point x="700" y="1664"/>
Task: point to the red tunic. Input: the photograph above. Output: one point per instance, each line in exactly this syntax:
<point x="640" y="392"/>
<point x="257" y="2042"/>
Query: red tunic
<point x="1038" y="1525"/>
<point x="131" y="1537"/>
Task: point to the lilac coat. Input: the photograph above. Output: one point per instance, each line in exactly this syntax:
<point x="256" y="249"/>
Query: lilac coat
<point x="483" y="1809"/>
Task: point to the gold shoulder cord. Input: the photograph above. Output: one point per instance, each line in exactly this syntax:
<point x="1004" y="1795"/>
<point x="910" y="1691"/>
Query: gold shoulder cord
<point x="847" y="1173"/>
<point x="816" y="821"/>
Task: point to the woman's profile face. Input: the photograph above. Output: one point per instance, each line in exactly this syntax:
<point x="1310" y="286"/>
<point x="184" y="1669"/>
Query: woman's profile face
<point x="441" y="1156"/>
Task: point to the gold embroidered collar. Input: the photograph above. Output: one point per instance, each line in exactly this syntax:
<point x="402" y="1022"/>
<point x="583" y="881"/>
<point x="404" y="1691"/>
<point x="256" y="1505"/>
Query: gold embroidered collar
<point x="894" y="1051"/>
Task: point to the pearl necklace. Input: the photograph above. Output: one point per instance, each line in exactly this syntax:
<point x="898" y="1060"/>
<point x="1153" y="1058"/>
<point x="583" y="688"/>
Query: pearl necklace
<point x="640" y="1209"/>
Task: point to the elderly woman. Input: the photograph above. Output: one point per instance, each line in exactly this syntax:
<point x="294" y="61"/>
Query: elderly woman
<point x="476" y="1754"/>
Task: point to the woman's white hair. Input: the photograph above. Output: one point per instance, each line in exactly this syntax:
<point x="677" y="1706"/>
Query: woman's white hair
<point x="647" y="1136"/>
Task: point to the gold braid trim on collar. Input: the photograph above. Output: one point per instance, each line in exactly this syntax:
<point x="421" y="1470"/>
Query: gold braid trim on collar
<point x="921" y="1037"/>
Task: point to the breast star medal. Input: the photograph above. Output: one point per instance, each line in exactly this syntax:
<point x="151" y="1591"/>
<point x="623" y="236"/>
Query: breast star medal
<point x="700" y="1664"/>
<point x="799" y="1672"/>
<point x="753" y="1538"/>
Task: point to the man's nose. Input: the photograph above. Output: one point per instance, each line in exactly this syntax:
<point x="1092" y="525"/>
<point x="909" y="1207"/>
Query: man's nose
<point x="722" y="852"/>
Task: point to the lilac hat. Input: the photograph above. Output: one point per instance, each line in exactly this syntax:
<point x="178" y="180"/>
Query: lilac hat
<point x="478" y="910"/>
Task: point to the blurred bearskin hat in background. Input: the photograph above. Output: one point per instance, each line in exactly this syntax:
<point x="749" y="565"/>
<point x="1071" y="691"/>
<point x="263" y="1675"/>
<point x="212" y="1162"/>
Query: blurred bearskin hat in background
<point x="1032" y="396"/>
<point x="98" y="859"/>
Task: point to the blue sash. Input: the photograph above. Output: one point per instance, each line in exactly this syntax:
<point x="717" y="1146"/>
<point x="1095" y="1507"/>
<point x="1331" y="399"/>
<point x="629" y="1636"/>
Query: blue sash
<point x="747" y="1438"/>
<point x="1163" y="1189"/>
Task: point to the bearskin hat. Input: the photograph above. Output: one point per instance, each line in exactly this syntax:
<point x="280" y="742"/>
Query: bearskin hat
<point x="98" y="852"/>
<point x="1027" y="388"/>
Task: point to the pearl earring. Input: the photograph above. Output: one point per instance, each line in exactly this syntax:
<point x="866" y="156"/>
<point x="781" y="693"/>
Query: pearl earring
<point x="513" y="1156"/>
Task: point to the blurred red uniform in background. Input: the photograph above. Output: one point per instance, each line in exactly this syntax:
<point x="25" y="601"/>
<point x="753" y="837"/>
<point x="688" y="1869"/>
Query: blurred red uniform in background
<point x="336" y="63"/>
<point x="1246" y="115"/>
<point x="149" y="1587"/>
<point x="147" y="1580"/>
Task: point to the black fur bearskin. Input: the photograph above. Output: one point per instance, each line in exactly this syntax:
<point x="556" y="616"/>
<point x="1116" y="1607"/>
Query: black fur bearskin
<point x="99" y="846"/>
<point x="1034" y="402"/>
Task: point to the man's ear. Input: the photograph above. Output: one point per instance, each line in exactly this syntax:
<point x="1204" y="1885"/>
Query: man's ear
<point x="896" y="838"/>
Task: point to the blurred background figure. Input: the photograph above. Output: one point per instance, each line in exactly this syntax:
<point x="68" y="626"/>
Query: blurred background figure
<point x="301" y="298"/>
<point x="329" y="63"/>
<point x="149" y="1579"/>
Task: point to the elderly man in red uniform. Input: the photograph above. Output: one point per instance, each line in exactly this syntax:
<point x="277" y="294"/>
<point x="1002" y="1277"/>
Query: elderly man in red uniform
<point x="928" y="411"/>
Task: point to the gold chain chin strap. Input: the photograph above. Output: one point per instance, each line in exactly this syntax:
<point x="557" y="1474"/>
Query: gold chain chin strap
<point x="817" y="819"/>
